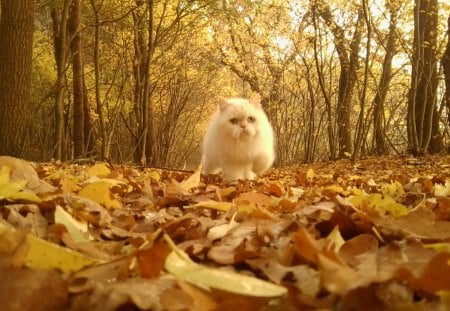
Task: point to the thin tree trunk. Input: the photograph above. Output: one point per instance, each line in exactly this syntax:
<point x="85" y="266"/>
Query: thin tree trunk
<point x="74" y="26"/>
<point x="148" y="139"/>
<point x="360" y="128"/>
<point x="60" y="48"/>
<point x="349" y="62"/>
<point x="139" y="67"/>
<point x="328" y="109"/>
<point x="380" y="146"/>
<point x="98" y="100"/>
<point x="89" y="129"/>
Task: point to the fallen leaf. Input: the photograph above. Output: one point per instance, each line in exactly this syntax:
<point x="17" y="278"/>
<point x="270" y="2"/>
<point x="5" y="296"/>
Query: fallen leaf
<point x="219" y="231"/>
<point x="151" y="260"/>
<point x="442" y="190"/>
<point x="381" y="204"/>
<point x="193" y="181"/>
<point x="99" y="170"/>
<point x="180" y="265"/>
<point x="14" y="191"/>
<point x="100" y="192"/>
<point x="76" y="229"/>
<point x="394" y="190"/>
<point x="29" y="290"/>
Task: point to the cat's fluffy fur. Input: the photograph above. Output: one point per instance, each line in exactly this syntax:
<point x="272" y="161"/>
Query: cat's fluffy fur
<point x="239" y="140"/>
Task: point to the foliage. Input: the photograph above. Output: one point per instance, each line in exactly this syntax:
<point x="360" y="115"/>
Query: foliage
<point x="371" y="234"/>
<point x="279" y="49"/>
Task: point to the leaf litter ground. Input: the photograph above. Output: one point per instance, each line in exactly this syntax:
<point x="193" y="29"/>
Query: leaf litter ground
<point x="370" y="235"/>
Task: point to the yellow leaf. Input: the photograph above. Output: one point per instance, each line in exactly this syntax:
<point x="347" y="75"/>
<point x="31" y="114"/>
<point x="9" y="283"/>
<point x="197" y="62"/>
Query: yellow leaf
<point x="100" y="193"/>
<point x="376" y="202"/>
<point x="393" y="190"/>
<point x="155" y="175"/>
<point x="13" y="191"/>
<point x="225" y="206"/>
<point x="9" y="188"/>
<point x="22" y="170"/>
<point x="25" y="196"/>
<point x="335" y="189"/>
<point x="440" y="247"/>
<point x="45" y="255"/>
<point x="193" y="181"/>
<point x="442" y="190"/>
<point x="99" y="170"/>
<point x="181" y="266"/>
<point x="68" y="185"/>
<point x="76" y="229"/>
<point x="310" y="175"/>
<point x="41" y="254"/>
<point x="336" y="239"/>
<point x="5" y="172"/>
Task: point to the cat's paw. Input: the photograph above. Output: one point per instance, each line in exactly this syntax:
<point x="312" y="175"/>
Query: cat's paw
<point x="250" y="175"/>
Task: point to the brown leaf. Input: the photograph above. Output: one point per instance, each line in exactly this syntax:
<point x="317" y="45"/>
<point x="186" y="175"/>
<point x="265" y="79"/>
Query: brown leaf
<point x="24" y="289"/>
<point x="420" y="224"/>
<point x="150" y="261"/>
<point x="434" y="278"/>
<point x="305" y="245"/>
<point x="22" y="170"/>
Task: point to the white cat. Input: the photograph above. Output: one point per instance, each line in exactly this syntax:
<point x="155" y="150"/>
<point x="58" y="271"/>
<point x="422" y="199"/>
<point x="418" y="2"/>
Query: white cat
<point x="239" y="140"/>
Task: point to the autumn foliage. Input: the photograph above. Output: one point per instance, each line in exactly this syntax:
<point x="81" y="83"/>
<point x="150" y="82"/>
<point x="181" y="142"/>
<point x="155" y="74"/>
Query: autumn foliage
<point x="350" y="236"/>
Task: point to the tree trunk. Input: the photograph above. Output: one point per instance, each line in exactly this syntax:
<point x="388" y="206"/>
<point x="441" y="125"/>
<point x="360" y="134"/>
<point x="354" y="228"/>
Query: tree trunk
<point x="446" y="67"/>
<point x="320" y="76"/>
<point x="60" y="49"/>
<point x="349" y="62"/>
<point x="423" y="120"/>
<point x="90" y="134"/>
<point x="147" y="155"/>
<point x="379" y="144"/>
<point x="139" y="69"/>
<point x="98" y="100"/>
<point x="16" y="42"/>
<point x="74" y="27"/>
<point x="360" y="132"/>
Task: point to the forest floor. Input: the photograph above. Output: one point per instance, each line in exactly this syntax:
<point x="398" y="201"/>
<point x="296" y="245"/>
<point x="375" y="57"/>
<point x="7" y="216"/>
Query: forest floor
<point x="370" y="235"/>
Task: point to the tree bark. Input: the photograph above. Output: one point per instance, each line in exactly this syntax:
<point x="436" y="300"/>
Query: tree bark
<point x="139" y="69"/>
<point x="349" y="63"/>
<point x="60" y="50"/>
<point x="445" y="61"/>
<point x="98" y="100"/>
<point x="74" y="27"/>
<point x="423" y="120"/>
<point x="16" y="42"/>
<point x="379" y="144"/>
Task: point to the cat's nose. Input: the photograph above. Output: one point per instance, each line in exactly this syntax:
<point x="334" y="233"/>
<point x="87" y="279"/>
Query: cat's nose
<point x="243" y="125"/>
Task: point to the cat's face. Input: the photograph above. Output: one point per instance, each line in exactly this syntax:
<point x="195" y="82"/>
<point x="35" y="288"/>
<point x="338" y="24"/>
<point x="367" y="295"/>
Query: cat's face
<point x="240" y="118"/>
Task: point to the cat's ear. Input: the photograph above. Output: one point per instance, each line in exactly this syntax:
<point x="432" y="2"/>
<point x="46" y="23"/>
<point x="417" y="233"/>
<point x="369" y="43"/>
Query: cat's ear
<point x="223" y="103"/>
<point x="255" y="100"/>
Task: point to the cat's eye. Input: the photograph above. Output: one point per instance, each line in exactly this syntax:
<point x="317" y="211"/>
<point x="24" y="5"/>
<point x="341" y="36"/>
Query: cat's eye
<point x="234" y="121"/>
<point x="251" y="119"/>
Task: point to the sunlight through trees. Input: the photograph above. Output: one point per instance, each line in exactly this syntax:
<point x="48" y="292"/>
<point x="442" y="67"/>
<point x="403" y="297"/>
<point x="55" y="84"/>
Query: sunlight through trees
<point x="135" y="81"/>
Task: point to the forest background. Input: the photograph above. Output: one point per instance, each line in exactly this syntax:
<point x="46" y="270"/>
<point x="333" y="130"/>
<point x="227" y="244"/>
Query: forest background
<point x="136" y="81"/>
